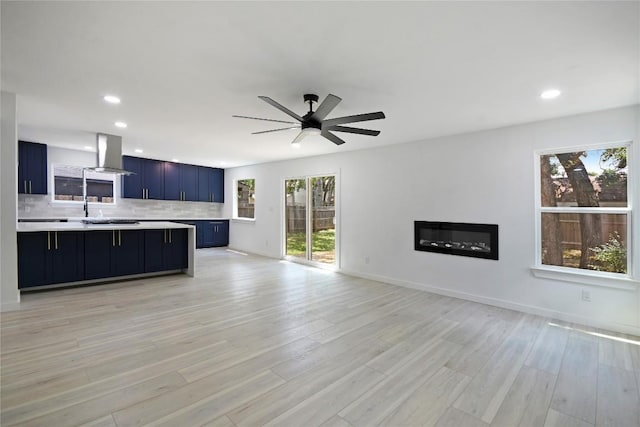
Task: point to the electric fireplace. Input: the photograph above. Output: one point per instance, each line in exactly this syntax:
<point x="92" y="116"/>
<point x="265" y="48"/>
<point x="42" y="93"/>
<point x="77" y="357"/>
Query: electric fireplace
<point x="457" y="238"/>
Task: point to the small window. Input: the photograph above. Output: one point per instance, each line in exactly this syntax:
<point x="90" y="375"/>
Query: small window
<point x="245" y="198"/>
<point x="67" y="185"/>
<point x="584" y="214"/>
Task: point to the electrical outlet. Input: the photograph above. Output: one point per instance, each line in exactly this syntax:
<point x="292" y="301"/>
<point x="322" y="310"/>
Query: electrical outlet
<point x="586" y="296"/>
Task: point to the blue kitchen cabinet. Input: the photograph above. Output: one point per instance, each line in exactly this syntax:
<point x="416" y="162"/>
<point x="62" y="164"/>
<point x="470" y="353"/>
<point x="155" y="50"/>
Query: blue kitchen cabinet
<point x="128" y="253"/>
<point x="210" y="184"/>
<point x="50" y="257"/>
<point x="97" y="249"/>
<point x="32" y="168"/>
<point x="175" y="254"/>
<point x="147" y="180"/>
<point x="180" y="182"/>
<point x="112" y="253"/>
<point x="67" y="256"/>
<point x="213" y="233"/>
<point x="32" y="259"/>
<point x="165" y="250"/>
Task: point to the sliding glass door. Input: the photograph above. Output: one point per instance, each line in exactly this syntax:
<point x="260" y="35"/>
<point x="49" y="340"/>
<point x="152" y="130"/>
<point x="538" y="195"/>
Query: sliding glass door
<point x="310" y="219"/>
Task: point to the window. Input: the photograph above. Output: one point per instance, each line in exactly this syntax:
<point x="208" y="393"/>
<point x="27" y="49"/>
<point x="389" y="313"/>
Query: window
<point x="67" y="185"/>
<point x="245" y="198"/>
<point x="583" y="210"/>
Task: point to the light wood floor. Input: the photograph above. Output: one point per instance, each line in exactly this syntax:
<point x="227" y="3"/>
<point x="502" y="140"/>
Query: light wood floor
<point x="253" y="341"/>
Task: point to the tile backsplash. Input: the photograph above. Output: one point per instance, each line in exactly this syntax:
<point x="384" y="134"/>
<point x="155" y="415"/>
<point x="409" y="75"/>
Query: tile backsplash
<point x="41" y="206"/>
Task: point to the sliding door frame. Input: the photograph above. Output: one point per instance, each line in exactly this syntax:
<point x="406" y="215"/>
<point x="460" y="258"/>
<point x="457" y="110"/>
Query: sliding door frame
<point x="309" y="217"/>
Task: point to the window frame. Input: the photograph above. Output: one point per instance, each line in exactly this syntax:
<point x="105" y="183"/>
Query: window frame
<point x="113" y="178"/>
<point x="236" y="204"/>
<point x="577" y="275"/>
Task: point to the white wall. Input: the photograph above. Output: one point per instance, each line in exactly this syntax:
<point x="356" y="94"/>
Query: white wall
<point x="9" y="294"/>
<point x="482" y="177"/>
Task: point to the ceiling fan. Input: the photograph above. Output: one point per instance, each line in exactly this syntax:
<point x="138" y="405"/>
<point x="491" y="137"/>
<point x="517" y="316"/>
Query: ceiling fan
<point x="314" y="122"/>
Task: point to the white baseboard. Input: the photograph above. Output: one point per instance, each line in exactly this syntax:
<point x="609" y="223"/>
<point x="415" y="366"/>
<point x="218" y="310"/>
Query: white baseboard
<point x="10" y="306"/>
<point x="540" y="311"/>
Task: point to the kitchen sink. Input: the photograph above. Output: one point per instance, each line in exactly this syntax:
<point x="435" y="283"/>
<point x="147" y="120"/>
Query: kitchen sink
<point x="110" y="221"/>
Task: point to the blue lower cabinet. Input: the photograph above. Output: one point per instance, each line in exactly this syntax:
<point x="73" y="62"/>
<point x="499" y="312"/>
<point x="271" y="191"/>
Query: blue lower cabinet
<point x="165" y="250"/>
<point x="176" y="253"/>
<point x="32" y="259"/>
<point x="98" y="246"/>
<point x="113" y="253"/>
<point x="50" y="257"/>
<point x="67" y="256"/>
<point x="213" y="233"/>
<point x="128" y="253"/>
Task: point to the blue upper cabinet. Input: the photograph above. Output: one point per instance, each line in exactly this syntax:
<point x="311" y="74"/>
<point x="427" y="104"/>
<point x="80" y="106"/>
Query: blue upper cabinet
<point x="180" y="182"/>
<point x="154" y="179"/>
<point x="32" y="168"/>
<point x="147" y="180"/>
<point x="210" y="184"/>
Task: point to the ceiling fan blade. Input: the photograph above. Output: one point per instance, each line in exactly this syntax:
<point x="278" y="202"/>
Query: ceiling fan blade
<point x="299" y="138"/>
<point x="326" y="107"/>
<point x="281" y="108"/>
<point x="352" y="119"/>
<point x="266" y="120"/>
<point x="331" y="137"/>
<point x="359" y="131"/>
<point x="275" y="130"/>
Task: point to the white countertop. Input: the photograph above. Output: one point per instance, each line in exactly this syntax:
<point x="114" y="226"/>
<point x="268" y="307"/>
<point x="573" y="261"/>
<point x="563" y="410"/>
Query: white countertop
<point x="78" y="219"/>
<point x="79" y="226"/>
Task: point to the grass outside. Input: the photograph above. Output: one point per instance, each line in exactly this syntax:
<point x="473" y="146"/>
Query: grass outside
<point x="323" y="244"/>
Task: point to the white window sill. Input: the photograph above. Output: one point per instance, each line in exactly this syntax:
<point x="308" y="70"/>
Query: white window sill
<point x="249" y="220"/>
<point x="592" y="278"/>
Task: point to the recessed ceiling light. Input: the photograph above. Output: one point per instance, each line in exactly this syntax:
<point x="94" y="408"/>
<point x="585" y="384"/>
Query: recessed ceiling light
<point x="175" y="160"/>
<point x="112" y="99"/>
<point x="550" y="94"/>
<point x="138" y="150"/>
<point x="88" y="147"/>
<point x="120" y="124"/>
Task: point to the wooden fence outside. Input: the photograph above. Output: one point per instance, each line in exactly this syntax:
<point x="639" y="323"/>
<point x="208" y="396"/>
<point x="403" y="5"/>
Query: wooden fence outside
<point x="570" y="229"/>
<point x="322" y="219"/>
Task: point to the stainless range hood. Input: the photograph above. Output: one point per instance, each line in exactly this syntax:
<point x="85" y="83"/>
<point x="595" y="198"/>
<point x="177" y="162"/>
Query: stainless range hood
<point x="109" y="155"/>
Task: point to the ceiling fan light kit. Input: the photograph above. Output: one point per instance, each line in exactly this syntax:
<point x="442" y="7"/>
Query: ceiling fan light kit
<point x="314" y="123"/>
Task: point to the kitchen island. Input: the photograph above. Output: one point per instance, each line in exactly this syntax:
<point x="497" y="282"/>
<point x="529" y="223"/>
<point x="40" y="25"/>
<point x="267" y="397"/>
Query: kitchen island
<point x="73" y="253"/>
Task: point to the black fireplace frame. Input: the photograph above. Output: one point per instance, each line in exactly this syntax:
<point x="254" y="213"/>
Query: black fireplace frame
<point x="492" y="229"/>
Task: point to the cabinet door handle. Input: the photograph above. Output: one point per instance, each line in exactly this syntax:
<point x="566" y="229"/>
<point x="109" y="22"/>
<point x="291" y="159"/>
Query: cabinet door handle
<point x="113" y="237"/>
<point x="165" y="235"/>
<point x="31" y="192"/>
<point x="25" y="187"/>
<point x="143" y="193"/>
<point x="210" y="197"/>
<point x="48" y="240"/>
<point x="213" y="197"/>
<point x="56" y="239"/>
<point x="119" y="238"/>
<point x="169" y="236"/>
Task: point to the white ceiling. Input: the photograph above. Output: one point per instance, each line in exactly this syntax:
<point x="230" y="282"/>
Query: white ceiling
<point x="183" y="69"/>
